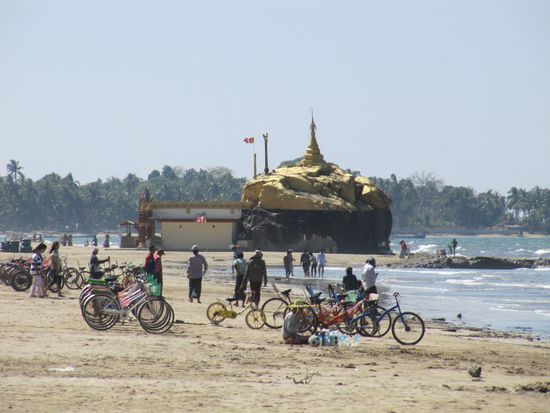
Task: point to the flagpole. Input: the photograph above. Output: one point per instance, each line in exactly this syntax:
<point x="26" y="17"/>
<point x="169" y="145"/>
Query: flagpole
<point x="254" y="153"/>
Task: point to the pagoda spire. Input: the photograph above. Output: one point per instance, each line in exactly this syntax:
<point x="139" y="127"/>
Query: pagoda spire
<point x="313" y="155"/>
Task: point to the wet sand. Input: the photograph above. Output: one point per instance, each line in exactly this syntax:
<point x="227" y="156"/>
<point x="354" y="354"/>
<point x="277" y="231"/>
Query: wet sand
<point x="50" y="360"/>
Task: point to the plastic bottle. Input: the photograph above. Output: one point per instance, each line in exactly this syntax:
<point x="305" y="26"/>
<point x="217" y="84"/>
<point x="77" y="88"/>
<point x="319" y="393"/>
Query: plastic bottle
<point x="324" y="338"/>
<point x="343" y="340"/>
<point x="356" y="339"/>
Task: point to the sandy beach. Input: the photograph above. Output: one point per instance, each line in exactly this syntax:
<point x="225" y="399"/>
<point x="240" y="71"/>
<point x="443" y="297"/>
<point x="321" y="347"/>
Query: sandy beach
<point x="50" y="360"/>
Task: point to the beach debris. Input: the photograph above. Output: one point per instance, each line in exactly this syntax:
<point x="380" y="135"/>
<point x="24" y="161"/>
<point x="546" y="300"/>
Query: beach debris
<point x="474" y="371"/>
<point x="497" y="389"/>
<point x="347" y="365"/>
<point x="459" y="315"/>
<point x="304" y="380"/>
<point x="62" y="369"/>
<point x="540" y="387"/>
<point x="439" y="319"/>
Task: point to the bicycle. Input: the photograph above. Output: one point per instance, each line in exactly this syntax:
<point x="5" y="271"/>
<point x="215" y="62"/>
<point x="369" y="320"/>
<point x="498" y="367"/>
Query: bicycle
<point x="275" y="308"/>
<point x="218" y="311"/>
<point x="103" y="307"/>
<point x="407" y="328"/>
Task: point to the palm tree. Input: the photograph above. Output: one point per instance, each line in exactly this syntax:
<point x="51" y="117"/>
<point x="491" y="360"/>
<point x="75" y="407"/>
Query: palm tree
<point x="14" y="170"/>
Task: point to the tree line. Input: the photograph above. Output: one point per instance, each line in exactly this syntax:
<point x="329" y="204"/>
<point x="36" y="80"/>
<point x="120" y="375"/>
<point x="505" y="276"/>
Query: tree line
<point x="62" y="203"/>
<point x="422" y="201"/>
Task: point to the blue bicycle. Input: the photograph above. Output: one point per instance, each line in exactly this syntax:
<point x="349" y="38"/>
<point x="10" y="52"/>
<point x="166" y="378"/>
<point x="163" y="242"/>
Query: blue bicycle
<point x="407" y="327"/>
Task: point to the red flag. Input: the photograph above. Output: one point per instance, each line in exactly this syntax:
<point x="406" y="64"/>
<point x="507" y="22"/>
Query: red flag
<point x="201" y="219"/>
<point x="249" y="140"/>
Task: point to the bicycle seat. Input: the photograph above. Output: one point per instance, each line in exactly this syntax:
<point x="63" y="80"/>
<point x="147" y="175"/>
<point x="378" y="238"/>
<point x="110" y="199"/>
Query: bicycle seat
<point x="231" y="299"/>
<point x="81" y="268"/>
<point x="317" y="300"/>
<point x="286" y="292"/>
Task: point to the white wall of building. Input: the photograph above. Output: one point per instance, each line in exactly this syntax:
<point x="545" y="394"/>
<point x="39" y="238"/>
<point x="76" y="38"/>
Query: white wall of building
<point x="161" y="213"/>
<point x="208" y="236"/>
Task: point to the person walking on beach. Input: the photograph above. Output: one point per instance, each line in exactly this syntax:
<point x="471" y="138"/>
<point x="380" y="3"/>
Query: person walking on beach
<point x="255" y="273"/>
<point x="306" y="262"/>
<point x="368" y="277"/>
<point x="288" y="261"/>
<point x="313" y="267"/>
<point x="196" y="269"/>
<point x="38" y="284"/>
<point x="239" y="267"/>
<point x="95" y="270"/>
<point x="454" y="243"/>
<point x="349" y="281"/>
<point x="158" y="268"/>
<point x="56" y="268"/>
<point x="321" y="261"/>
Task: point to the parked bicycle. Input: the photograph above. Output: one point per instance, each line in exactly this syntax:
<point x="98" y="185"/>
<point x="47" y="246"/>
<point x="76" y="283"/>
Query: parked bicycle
<point x="275" y="307"/>
<point x="219" y="311"/>
<point x="407" y="327"/>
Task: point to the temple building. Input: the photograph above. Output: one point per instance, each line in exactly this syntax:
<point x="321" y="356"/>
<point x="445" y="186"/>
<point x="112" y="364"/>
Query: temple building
<point x="313" y="205"/>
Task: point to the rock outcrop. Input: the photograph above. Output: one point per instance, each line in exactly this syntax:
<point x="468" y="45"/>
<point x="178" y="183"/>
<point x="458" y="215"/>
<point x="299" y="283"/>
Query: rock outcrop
<point x="317" y="200"/>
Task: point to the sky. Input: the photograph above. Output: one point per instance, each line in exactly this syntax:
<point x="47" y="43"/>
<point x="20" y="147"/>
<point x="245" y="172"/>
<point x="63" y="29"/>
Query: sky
<point x="455" y="88"/>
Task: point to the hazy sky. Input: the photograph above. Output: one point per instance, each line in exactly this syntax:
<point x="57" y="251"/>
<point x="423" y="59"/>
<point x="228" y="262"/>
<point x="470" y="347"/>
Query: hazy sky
<point x="457" y="88"/>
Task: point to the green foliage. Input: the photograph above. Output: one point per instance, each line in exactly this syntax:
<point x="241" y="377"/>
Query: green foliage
<point x="54" y="203"/>
<point x="421" y="201"/>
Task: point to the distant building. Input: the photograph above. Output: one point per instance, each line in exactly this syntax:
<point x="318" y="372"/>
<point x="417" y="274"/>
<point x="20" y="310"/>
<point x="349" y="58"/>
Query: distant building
<point x="211" y="225"/>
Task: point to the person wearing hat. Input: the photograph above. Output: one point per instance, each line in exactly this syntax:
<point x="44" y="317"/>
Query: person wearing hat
<point x="150" y="261"/>
<point x="368" y="277"/>
<point x="158" y="268"/>
<point x="256" y="272"/>
<point x="196" y="269"/>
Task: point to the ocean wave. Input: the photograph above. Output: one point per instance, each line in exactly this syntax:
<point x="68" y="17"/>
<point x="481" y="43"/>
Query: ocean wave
<point x="545" y="313"/>
<point x="426" y="248"/>
<point x="542" y="252"/>
<point x="410" y="287"/>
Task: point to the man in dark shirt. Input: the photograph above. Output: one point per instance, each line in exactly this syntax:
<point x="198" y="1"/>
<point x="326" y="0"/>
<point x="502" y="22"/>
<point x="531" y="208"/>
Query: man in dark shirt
<point x="305" y="260"/>
<point x="350" y="280"/>
<point x="95" y="271"/>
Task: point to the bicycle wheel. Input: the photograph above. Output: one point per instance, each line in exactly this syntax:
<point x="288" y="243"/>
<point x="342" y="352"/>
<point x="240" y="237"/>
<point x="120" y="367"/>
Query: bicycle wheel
<point x="73" y="279"/>
<point x="408" y="328"/>
<point x="101" y="311"/>
<point x="156" y="316"/>
<point x="52" y="284"/>
<point x="255" y="319"/>
<point x="346" y="327"/>
<point x="274" y="310"/>
<point x="365" y="325"/>
<point x="20" y="280"/>
<point x="383" y="323"/>
<point x="308" y="317"/>
<point x="215" y="312"/>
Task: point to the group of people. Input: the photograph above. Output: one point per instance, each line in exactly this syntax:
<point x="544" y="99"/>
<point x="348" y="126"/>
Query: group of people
<point x="38" y="269"/>
<point x="292" y="320"/>
<point x="312" y="265"/>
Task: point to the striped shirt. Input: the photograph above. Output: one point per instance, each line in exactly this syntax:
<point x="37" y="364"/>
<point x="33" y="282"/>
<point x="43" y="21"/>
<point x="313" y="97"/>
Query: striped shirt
<point x="36" y="264"/>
